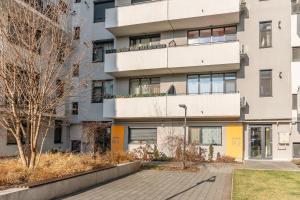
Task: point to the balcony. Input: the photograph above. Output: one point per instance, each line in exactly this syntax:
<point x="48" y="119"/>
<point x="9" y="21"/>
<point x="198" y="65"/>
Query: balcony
<point x="182" y="59"/>
<point x="199" y="106"/>
<point x="167" y="15"/>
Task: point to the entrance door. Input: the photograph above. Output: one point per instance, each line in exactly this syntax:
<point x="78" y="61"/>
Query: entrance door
<point x="260" y="144"/>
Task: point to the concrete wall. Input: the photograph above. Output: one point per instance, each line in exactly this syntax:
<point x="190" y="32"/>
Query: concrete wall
<point x="277" y="58"/>
<point x="71" y="185"/>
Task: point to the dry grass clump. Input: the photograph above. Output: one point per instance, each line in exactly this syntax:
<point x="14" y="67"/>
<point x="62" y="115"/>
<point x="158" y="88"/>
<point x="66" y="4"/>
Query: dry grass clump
<point x="54" y="166"/>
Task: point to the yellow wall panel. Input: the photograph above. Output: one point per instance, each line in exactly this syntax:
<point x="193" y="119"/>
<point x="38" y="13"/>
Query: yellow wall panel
<point x="234" y="141"/>
<point x="117" y="138"/>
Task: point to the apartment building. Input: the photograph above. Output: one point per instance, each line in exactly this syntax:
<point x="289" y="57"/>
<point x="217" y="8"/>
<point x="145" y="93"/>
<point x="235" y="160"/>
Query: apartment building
<point x="227" y="61"/>
<point x="232" y="63"/>
<point x="58" y="136"/>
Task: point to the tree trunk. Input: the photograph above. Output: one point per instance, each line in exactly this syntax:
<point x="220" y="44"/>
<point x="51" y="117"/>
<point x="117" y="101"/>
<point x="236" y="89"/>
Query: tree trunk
<point x="21" y="152"/>
<point x="32" y="158"/>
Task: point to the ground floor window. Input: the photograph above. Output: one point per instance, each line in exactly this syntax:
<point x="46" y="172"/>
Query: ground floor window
<point x="296" y="150"/>
<point x="205" y="135"/>
<point x="142" y="135"/>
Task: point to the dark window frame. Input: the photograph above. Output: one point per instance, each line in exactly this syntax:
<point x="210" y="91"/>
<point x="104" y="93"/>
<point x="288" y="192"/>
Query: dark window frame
<point x="58" y="132"/>
<point x="101" y="45"/>
<point x="211" y="83"/>
<point x="294" y="101"/>
<point x="101" y="2"/>
<point x="75" y="108"/>
<point x="103" y="95"/>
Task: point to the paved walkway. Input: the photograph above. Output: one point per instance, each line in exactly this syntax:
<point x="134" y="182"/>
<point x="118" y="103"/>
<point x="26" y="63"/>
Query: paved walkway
<point x="210" y="183"/>
<point x="270" y="165"/>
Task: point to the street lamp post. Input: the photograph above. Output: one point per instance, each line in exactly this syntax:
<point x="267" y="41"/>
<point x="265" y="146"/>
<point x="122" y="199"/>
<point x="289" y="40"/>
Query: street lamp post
<point x="184" y="136"/>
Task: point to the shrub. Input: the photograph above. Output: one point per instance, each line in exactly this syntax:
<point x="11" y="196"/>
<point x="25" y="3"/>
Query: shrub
<point x="226" y="159"/>
<point x="210" y="152"/>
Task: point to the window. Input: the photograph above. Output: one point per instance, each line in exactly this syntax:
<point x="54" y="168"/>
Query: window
<point x="265" y="83"/>
<point x="205" y="135"/>
<point x="99" y="49"/>
<point x="58" y="132"/>
<point x="144" y="86"/>
<point x="140" y="1"/>
<point x="99" y="9"/>
<point x="101" y="89"/>
<point x="146" y="40"/>
<point x="296" y="54"/>
<point x="75" y="108"/>
<point x="218" y="35"/>
<point x="142" y="135"/>
<point x="265" y="34"/>
<point x="205" y="84"/>
<point x="10" y="138"/>
<point x="230" y="83"/>
<point x="193" y="85"/>
<point x="77" y="1"/>
<point x="211" y="83"/>
<point x="75" y="71"/>
<point x="295" y="101"/>
<point x="59" y="88"/>
<point x="296" y="150"/>
<point x="76" y="33"/>
<point x="205" y="36"/>
<point x="218" y="83"/>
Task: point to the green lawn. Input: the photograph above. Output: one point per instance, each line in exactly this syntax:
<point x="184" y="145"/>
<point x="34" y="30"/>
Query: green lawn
<point x="266" y="185"/>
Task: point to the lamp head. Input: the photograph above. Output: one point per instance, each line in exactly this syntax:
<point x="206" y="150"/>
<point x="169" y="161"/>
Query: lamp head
<point x="182" y="106"/>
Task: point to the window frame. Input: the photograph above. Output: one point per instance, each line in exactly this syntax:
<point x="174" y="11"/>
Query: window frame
<point x="58" y="127"/>
<point x="101" y="2"/>
<point x="211" y="34"/>
<point x="75" y="110"/>
<point x="294" y="101"/>
<point x="139" y="142"/>
<point x="260" y="83"/>
<point x="133" y="39"/>
<point x="140" y="85"/>
<point x="260" y="34"/>
<point x="101" y="46"/>
<point x="200" y="135"/>
<point x="103" y="95"/>
<point x="211" y="83"/>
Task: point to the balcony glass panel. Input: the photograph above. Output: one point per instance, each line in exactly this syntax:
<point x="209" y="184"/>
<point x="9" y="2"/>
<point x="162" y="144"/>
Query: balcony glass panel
<point x="218" y="35"/>
<point x="205" y="84"/>
<point x="193" y="84"/>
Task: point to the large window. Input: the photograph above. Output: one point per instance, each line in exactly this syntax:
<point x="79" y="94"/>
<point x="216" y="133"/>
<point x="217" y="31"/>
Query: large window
<point x="265" y="34"/>
<point x="99" y="9"/>
<point x="144" y="86"/>
<point x="212" y="35"/>
<point x="296" y="54"/>
<point x="265" y="83"/>
<point x="10" y="138"/>
<point x="146" y="40"/>
<point x="101" y="89"/>
<point x="142" y="136"/>
<point x="211" y="83"/>
<point x="58" y="132"/>
<point x="99" y="49"/>
<point x="205" y="135"/>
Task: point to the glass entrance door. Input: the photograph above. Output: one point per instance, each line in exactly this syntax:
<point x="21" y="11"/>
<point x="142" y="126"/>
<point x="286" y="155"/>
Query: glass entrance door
<point x="260" y="144"/>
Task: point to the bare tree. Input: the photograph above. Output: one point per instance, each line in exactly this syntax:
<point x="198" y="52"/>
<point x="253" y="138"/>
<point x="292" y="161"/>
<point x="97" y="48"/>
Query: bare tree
<point x="35" y="70"/>
<point x="94" y="133"/>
